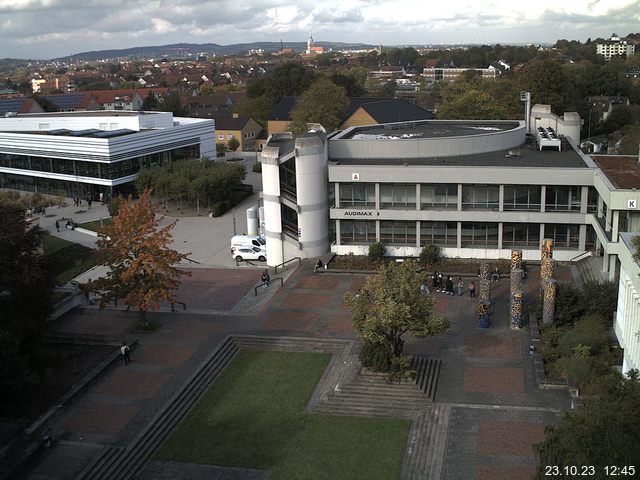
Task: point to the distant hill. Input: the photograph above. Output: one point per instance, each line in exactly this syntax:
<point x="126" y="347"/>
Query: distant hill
<point x="177" y="50"/>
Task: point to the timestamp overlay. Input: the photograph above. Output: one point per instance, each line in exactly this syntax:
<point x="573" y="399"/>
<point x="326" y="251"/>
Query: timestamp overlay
<point x="590" y="471"/>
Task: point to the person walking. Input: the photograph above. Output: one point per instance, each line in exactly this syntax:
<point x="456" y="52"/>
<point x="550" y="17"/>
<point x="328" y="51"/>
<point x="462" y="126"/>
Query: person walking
<point x="472" y="289"/>
<point x="449" y="285"/>
<point x="460" y="286"/>
<point x="124" y="351"/>
<point x="441" y="285"/>
<point x="496" y="275"/>
<point x="57" y="226"/>
<point x="434" y="281"/>
<point x="265" y="278"/>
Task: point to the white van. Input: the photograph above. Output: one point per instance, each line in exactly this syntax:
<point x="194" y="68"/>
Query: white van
<point x="255" y="242"/>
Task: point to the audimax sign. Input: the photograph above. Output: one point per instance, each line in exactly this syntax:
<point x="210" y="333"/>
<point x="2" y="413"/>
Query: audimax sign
<point x="361" y="213"/>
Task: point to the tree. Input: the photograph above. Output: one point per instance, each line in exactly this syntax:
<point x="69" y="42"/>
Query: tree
<point x="605" y="432"/>
<point x="150" y="102"/>
<point x="141" y="264"/>
<point x="324" y="103"/>
<point x="233" y="144"/>
<point x="287" y="79"/>
<point x="25" y="302"/>
<point x="399" y="308"/>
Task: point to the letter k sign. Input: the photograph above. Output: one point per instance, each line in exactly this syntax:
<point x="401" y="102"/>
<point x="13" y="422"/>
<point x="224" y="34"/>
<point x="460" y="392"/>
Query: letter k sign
<point x="632" y="203"/>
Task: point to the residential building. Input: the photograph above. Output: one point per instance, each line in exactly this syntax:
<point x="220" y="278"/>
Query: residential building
<point x="601" y="107"/>
<point x="10" y="106"/>
<point x="243" y="128"/>
<point x="477" y="189"/>
<point x="436" y="74"/>
<point x="360" y="111"/>
<point x="87" y="153"/>
<point x="615" y="47"/>
<point x="122" y="100"/>
<point x="72" y="102"/>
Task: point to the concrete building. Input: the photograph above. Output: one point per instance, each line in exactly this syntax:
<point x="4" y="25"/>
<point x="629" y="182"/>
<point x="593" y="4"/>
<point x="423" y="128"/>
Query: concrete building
<point x="627" y="316"/>
<point x="87" y="153"/>
<point x="615" y="47"/>
<point x="476" y="188"/>
<point x="436" y="74"/>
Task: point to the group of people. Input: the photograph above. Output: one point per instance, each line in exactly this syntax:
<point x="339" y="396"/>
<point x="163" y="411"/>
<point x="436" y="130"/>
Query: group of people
<point x="445" y="284"/>
<point x="69" y="225"/>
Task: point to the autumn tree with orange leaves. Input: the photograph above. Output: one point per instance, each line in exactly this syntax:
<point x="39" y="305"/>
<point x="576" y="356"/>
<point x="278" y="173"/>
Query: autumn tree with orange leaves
<point x="142" y="269"/>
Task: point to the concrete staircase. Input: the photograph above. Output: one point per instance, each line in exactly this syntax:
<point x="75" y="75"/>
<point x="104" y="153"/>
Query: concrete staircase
<point x="116" y="463"/>
<point x="590" y="269"/>
<point x="424" y="457"/>
<point x="370" y="394"/>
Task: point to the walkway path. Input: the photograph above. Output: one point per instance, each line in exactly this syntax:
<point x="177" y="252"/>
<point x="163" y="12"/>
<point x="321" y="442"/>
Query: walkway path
<point x="494" y="410"/>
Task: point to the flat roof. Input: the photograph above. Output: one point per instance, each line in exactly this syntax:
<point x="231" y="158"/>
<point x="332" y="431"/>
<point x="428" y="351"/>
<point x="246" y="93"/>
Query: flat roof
<point x="428" y="129"/>
<point x="527" y="155"/>
<point x="89" y="113"/>
<point x="622" y="170"/>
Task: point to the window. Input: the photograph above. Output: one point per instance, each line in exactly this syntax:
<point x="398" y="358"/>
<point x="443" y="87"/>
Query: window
<point x="563" y="235"/>
<point x="440" y="195"/>
<point x="475" y="234"/>
<point x="480" y="197"/>
<point x="398" y="233"/>
<point x="560" y="198"/>
<point x="520" y="235"/>
<point x="229" y="136"/>
<point x="440" y="233"/>
<point x="113" y="126"/>
<point x="522" y="197"/>
<point x="43" y="126"/>
<point x="357" y="232"/>
<point x="357" y="195"/>
<point x="102" y="126"/>
<point x="592" y="200"/>
<point x="397" y="195"/>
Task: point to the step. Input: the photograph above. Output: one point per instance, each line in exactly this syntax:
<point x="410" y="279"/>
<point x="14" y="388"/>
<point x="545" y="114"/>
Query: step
<point x="363" y="412"/>
<point x="128" y="461"/>
<point x="97" y="468"/>
<point x="438" y="442"/>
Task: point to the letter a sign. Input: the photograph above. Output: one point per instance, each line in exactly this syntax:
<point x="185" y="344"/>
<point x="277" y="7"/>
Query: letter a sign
<point x="355" y="177"/>
<point x="632" y="203"/>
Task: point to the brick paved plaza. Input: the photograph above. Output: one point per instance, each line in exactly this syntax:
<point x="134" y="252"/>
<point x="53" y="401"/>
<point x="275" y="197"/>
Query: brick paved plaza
<point x="487" y="377"/>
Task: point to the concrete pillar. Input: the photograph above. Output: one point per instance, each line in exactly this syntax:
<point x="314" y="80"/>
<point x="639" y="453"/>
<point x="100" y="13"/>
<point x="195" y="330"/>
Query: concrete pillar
<point x="418" y="206"/>
<point x="607" y="223"/>
<point x="543" y="200"/>
<point x="612" y="267"/>
<point x="549" y="301"/>
<point x="459" y="232"/>
<point x="600" y="205"/>
<point x="515" y="310"/>
<point x="615" y="223"/>
<point x="584" y="199"/>
<point x="582" y="238"/>
<point x="418" y="233"/>
<point x="378" y="199"/>
<point x="499" y="235"/>
<point x="338" y="232"/>
<point x="336" y="192"/>
<point x="459" y="198"/>
<point x="271" y="201"/>
<point x="541" y="235"/>
<point x="377" y="230"/>
<point x="501" y="198"/>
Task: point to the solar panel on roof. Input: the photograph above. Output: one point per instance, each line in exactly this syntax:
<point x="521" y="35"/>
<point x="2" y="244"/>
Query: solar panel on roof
<point x="66" y="101"/>
<point x="59" y="131"/>
<point x="10" y="105"/>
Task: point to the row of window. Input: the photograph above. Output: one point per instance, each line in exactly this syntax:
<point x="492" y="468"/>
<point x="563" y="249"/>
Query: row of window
<point x="445" y="196"/>
<point x="445" y="234"/>
<point x="83" y="168"/>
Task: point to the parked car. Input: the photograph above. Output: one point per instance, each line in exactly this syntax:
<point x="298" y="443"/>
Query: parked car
<point x="249" y="253"/>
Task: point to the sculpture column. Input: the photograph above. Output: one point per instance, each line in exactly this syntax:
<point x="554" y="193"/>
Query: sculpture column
<point x="485" y="284"/>
<point x="516" y="310"/>
<point x="546" y="250"/>
<point x="549" y="301"/>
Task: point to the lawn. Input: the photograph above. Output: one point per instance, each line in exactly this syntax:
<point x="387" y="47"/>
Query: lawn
<point x="252" y="417"/>
<point x="65" y="259"/>
<point x="96" y="224"/>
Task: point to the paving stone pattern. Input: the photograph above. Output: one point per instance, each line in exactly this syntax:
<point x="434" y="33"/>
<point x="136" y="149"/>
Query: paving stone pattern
<point x="487" y="413"/>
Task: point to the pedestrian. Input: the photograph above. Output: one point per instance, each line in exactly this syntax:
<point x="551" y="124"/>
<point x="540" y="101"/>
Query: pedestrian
<point x="434" y="281"/>
<point x="265" y="278"/>
<point x="317" y="266"/>
<point x="424" y="289"/>
<point x="496" y="275"/>
<point x="101" y="198"/>
<point x="89" y="201"/>
<point x="57" y="226"/>
<point x="124" y="351"/>
<point x="460" y="286"/>
<point x="472" y="289"/>
<point x="449" y="285"/>
<point x="441" y="285"/>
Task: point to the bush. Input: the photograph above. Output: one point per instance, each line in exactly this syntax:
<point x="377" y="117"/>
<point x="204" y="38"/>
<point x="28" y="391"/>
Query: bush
<point x="431" y="254"/>
<point x="400" y="369"/>
<point x="219" y="208"/>
<point x="376" y="356"/>
<point x="376" y="251"/>
<point x="549" y="338"/>
<point x="114" y="205"/>
<point x="257" y="167"/>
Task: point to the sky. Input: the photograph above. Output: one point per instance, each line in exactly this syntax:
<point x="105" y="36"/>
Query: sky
<point x="42" y="29"/>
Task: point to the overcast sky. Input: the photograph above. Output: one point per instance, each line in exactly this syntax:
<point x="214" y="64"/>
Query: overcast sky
<point x="54" y="28"/>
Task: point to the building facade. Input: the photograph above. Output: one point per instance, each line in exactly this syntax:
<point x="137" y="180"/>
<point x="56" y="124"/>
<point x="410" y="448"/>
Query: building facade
<point x="627" y="315"/>
<point x="476" y="188"/>
<point x="615" y="47"/>
<point x="87" y="153"/>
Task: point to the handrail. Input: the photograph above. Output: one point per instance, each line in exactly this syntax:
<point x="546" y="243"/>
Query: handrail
<point x="266" y="284"/>
<point x="275" y="269"/>
<point x="173" y="306"/>
<point x="192" y="261"/>
<point x="583" y="254"/>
